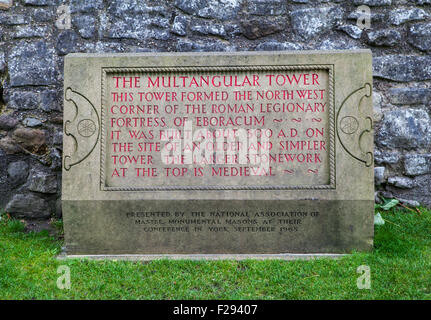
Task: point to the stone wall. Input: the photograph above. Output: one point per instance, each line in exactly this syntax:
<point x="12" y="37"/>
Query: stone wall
<point x="35" y="35"/>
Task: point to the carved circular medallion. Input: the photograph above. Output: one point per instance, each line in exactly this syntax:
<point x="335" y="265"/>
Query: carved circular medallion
<point x="349" y="125"/>
<point x="86" y="128"/>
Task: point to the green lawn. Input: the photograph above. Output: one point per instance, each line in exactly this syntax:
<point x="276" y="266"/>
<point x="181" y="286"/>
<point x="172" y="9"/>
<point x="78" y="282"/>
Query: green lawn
<point x="400" y="269"/>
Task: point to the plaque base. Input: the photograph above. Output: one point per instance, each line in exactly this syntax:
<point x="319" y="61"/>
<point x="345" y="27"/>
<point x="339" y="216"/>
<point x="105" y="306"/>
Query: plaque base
<point x="217" y="227"/>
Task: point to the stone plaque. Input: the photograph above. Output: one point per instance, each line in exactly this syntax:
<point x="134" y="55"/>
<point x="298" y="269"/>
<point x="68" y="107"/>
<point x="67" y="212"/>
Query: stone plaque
<point x="215" y="153"/>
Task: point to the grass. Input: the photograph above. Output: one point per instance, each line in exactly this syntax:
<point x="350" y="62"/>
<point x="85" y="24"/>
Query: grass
<point x="400" y="269"/>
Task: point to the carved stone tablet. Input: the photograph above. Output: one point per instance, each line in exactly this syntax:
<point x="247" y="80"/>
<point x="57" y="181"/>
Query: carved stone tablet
<point x="217" y="153"/>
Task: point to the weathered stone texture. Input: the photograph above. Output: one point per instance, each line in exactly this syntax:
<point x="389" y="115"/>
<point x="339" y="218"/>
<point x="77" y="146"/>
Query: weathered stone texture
<point x="32" y="49"/>
<point x="274" y="46"/>
<point x="401" y="182"/>
<point x="352" y="30"/>
<point x="137" y="20"/>
<point x="400" y="16"/>
<point x="379" y="175"/>
<point x="386" y="157"/>
<point x="28" y="206"/>
<point x="18" y="172"/>
<point x="222" y="10"/>
<point x="2" y="62"/>
<point x="417" y="164"/>
<point x="32" y="64"/>
<point x="7" y="122"/>
<point x="419" y="36"/>
<point x="179" y="27"/>
<point x="5" y="4"/>
<point x="42" y="182"/>
<point x="403" y="68"/>
<point x="41" y="2"/>
<point x="266" y="7"/>
<point x="31" y="140"/>
<point x="258" y="28"/>
<point x="406" y="96"/>
<point x="86" y="25"/>
<point x="310" y="22"/>
<point x="373" y="3"/>
<point x="86" y="6"/>
<point x="23" y="100"/>
<point x="405" y="129"/>
<point x="386" y="37"/>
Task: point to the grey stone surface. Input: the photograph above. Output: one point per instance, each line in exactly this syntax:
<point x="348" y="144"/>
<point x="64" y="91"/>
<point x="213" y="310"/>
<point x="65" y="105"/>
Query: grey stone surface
<point x="31" y="76"/>
<point x="58" y="209"/>
<point x="187" y="45"/>
<point x="222" y="10"/>
<point x="120" y="8"/>
<point x="401" y="182"/>
<point x="419" y="36"/>
<point x="80" y="218"/>
<point x="13" y="19"/>
<point x="32" y="122"/>
<point x="179" y="26"/>
<point x="403" y="68"/>
<point x="409" y="96"/>
<point x="420" y="193"/>
<point x="49" y="100"/>
<point x="57" y="138"/>
<point x="88" y="6"/>
<point x="405" y="129"/>
<point x="386" y="157"/>
<point x="22" y="32"/>
<point x="43" y="15"/>
<point x="372" y="3"/>
<point x="41" y="2"/>
<point x="379" y="175"/>
<point x="31" y="140"/>
<point x="210" y="29"/>
<point x="28" y="206"/>
<point x="32" y="64"/>
<point x="400" y="16"/>
<point x="23" y="100"/>
<point x="2" y="62"/>
<point x="375" y="16"/>
<point x="56" y="160"/>
<point x="7" y="122"/>
<point x="337" y="44"/>
<point x="254" y="28"/>
<point x="385" y="37"/>
<point x="277" y="46"/>
<point x="139" y="27"/>
<point x="266" y="7"/>
<point x="86" y="25"/>
<point x="100" y="46"/>
<point x="66" y="42"/>
<point x="6" y="188"/>
<point x="18" y="172"/>
<point x="377" y="106"/>
<point x="352" y="30"/>
<point x="5" y="4"/>
<point x="410" y="203"/>
<point x="417" y="164"/>
<point x="9" y="146"/>
<point x="46" y="100"/>
<point x="42" y="182"/>
<point x="310" y="22"/>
